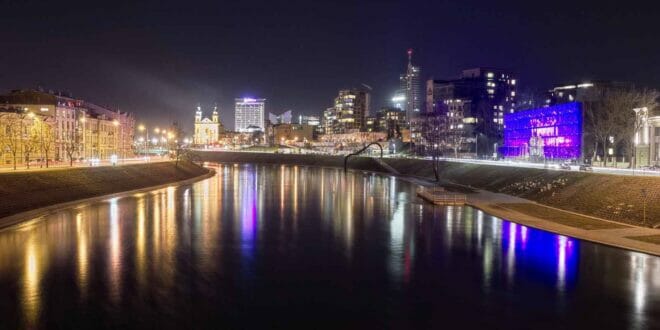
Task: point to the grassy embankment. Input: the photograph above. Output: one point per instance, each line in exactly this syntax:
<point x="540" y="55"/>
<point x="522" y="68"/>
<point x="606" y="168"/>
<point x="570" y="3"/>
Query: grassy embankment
<point x="24" y="191"/>
<point x="613" y="197"/>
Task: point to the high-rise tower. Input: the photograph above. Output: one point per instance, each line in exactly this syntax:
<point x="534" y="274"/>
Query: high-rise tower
<point x="249" y="115"/>
<point x="410" y="87"/>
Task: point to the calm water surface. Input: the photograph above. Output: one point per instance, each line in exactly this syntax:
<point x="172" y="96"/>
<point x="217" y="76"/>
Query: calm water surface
<point x="283" y="246"/>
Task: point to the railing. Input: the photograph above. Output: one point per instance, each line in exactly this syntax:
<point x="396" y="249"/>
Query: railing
<point x="360" y="151"/>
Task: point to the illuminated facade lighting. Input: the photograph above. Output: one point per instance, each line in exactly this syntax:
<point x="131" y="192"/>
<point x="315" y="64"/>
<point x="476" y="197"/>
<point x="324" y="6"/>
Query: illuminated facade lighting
<point x="545" y="133"/>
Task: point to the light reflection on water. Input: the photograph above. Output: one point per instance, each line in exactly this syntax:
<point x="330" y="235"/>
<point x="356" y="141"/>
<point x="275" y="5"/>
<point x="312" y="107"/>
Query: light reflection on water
<point x="293" y="244"/>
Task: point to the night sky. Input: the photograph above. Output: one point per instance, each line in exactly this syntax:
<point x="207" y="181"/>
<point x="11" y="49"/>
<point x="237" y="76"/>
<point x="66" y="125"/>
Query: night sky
<point x="159" y="60"/>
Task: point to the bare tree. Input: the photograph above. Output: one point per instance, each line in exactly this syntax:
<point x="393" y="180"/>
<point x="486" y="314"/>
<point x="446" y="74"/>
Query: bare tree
<point x="605" y="119"/>
<point x="11" y="130"/>
<point x="46" y="139"/>
<point x="631" y="123"/>
<point x="71" y="144"/>
<point x="30" y="144"/>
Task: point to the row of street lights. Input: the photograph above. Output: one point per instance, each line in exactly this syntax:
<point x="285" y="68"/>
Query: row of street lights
<point x="162" y="137"/>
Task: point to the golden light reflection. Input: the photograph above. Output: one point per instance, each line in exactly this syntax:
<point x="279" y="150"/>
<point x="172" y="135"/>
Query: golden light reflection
<point x="140" y="243"/>
<point x="115" y="252"/>
<point x="31" y="300"/>
<point x="82" y="251"/>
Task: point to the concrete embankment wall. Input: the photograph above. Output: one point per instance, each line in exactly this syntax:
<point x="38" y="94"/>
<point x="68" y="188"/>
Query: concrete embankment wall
<point x="613" y="197"/>
<point x="357" y="163"/>
<point x="24" y="191"/>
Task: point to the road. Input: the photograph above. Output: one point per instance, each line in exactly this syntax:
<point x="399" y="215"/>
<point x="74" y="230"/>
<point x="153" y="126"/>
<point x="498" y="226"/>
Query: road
<point x="65" y="165"/>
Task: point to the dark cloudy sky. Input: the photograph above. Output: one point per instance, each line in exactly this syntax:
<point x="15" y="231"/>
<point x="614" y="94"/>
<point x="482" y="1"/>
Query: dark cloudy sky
<point x="159" y="59"/>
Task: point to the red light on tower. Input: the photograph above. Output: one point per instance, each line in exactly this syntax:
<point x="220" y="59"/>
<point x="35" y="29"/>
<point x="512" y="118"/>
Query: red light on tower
<point x="410" y="52"/>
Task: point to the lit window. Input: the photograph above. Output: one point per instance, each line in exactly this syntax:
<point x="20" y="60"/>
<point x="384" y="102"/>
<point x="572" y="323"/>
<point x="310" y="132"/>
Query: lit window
<point x="489" y="75"/>
<point x="513" y="81"/>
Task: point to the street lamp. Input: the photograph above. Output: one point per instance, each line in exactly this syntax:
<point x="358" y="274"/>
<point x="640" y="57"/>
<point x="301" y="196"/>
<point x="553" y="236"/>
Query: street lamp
<point x="116" y="124"/>
<point x="142" y="128"/>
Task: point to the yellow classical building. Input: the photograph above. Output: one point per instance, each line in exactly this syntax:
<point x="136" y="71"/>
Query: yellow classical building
<point x="207" y="131"/>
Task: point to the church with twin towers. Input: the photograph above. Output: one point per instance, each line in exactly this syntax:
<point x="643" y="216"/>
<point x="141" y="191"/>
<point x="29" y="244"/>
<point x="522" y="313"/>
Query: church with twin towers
<point x="207" y="130"/>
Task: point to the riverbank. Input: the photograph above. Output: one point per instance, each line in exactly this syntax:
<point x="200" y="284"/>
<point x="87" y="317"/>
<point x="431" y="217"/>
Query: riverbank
<point x="596" y="207"/>
<point x="26" y="194"/>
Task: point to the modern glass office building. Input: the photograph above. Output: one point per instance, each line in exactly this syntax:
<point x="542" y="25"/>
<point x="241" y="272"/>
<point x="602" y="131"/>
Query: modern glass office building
<point x="551" y="133"/>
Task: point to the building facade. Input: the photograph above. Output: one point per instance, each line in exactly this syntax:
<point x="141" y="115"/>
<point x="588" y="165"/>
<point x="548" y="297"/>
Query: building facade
<point x="544" y="134"/>
<point x="72" y="129"/>
<point x="485" y="95"/>
<point x="445" y="131"/>
<point x="207" y="130"/>
<point x="349" y="113"/>
<point x="250" y="115"/>
<point x="283" y="118"/>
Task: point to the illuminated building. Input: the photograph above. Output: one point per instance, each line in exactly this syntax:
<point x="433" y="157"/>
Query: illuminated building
<point x="349" y="112"/>
<point x="410" y="87"/>
<point x="309" y="120"/>
<point x="329" y="120"/>
<point x="283" y="118"/>
<point x="486" y="95"/>
<point x="392" y="121"/>
<point x="80" y="129"/>
<point x="550" y="133"/>
<point x="207" y="130"/>
<point x="250" y="115"/>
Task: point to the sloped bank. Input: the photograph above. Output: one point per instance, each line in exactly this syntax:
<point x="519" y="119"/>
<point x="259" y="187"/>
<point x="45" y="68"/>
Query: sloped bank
<point x="613" y="197"/>
<point x="25" y="191"/>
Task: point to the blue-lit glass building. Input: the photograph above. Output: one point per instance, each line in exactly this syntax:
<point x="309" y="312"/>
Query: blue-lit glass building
<point x="552" y="133"/>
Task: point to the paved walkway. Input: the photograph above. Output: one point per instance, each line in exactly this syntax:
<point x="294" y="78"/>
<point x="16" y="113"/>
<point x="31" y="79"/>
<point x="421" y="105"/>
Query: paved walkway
<point x="617" y="234"/>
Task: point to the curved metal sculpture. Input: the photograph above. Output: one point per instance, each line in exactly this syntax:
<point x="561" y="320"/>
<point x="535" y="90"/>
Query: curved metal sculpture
<point x="360" y="151"/>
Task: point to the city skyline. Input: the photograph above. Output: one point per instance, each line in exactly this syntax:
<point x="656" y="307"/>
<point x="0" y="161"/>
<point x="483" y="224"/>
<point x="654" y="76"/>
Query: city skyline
<point x="167" y="60"/>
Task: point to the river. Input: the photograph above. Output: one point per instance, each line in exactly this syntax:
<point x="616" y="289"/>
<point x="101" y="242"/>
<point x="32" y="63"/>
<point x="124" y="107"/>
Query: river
<point x="282" y="246"/>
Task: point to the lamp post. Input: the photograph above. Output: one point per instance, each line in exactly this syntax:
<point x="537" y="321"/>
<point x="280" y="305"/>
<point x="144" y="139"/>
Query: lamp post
<point x="84" y="139"/>
<point x="610" y="150"/>
<point x="644" y="196"/>
<point x="117" y="147"/>
<point x="142" y="128"/>
<point x="476" y="145"/>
